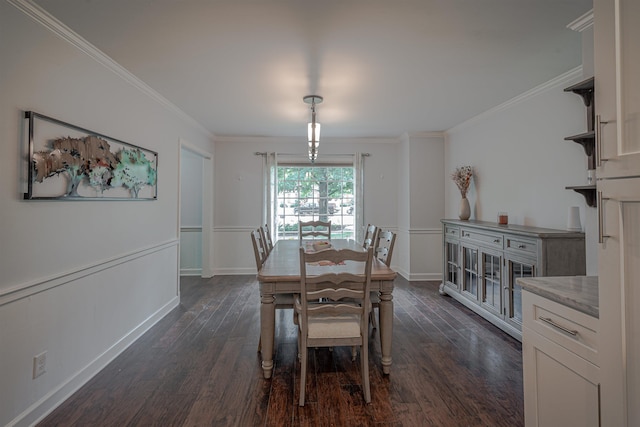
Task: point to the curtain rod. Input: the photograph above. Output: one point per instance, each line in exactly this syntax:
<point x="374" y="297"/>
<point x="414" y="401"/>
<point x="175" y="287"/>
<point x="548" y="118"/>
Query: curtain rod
<point x="258" y="153"/>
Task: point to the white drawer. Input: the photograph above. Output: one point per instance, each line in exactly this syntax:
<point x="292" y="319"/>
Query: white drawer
<point x="522" y="246"/>
<point x="572" y="329"/>
<point x="451" y="231"/>
<point x="485" y="239"/>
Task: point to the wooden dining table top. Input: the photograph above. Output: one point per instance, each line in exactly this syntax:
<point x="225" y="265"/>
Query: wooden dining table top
<point x="283" y="262"/>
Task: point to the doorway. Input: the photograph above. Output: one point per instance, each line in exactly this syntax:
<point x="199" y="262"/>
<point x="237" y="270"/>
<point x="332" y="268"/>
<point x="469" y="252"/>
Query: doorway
<point x="195" y="211"/>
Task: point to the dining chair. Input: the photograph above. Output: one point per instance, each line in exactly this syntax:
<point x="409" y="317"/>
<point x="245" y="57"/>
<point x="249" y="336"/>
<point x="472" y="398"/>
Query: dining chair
<point x="314" y="229"/>
<point x="283" y="301"/>
<point x="258" y="248"/>
<point x="384" y="246"/>
<point x="266" y="238"/>
<point x="343" y="320"/>
<point x="385" y="240"/>
<point x="370" y="236"/>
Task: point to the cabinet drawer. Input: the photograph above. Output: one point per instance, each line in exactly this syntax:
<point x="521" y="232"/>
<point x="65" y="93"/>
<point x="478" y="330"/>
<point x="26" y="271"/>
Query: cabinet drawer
<point x="519" y="245"/>
<point x="485" y="239"/>
<point x="451" y="231"/>
<point x="573" y="330"/>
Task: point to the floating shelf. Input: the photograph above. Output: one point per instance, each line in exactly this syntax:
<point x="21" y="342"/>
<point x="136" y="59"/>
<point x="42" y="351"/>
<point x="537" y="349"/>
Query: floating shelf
<point x="588" y="191"/>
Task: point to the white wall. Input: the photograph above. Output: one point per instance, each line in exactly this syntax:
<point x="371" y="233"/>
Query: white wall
<point x="80" y="280"/>
<point x="238" y="189"/>
<point x="522" y="162"/>
<point x="418" y="250"/>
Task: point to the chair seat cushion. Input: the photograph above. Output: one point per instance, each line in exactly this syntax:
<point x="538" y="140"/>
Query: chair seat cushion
<point x="338" y="326"/>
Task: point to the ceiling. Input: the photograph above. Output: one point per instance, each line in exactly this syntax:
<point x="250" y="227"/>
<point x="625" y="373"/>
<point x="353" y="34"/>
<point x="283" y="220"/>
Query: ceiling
<point x="242" y="67"/>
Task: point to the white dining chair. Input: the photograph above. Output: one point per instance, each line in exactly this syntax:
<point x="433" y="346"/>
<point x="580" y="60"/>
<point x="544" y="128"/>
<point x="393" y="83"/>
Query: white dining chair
<point x="314" y="230"/>
<point x="343" y="319"/>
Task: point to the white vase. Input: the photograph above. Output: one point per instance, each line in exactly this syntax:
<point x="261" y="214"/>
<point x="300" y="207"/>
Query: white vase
<point x="465" y="209"/>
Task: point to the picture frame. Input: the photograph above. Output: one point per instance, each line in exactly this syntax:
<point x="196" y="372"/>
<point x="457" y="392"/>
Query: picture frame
<point x="68" y="162"/>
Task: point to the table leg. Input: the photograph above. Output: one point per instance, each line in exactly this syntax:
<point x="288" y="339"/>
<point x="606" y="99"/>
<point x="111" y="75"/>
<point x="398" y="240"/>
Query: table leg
<point x="267" y="330"/>
<point x="386" y="328"/>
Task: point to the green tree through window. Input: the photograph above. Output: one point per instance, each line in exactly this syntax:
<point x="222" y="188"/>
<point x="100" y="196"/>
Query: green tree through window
<point x="315" y="192"/>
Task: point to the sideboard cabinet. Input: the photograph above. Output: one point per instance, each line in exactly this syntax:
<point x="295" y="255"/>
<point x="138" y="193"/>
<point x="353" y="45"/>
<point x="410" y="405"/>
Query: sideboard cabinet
<point x="482" y="260"/>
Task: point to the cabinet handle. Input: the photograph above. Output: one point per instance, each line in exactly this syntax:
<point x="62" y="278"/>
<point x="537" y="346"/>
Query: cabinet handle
<point x="496" y="240"/>
<point x="555" y="325"/>
<point x="599" y="158"/>
<point x="522" y="246"/>
<point x="601" y="235"/>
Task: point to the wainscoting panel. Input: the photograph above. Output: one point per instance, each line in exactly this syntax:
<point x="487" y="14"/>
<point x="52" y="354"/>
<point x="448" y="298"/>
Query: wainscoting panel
<point x="82" y="319"/>
<point x="190" y="251"/>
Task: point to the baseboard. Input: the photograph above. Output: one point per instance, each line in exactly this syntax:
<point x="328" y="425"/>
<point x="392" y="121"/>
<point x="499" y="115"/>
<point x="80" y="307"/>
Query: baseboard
<point x="233" y="271"/>
<point x="52" y="400"/>
<point x="191" y="272"/>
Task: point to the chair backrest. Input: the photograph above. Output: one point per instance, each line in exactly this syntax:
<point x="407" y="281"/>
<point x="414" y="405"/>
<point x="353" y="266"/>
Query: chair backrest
<point x="370" y="236"/>
<point x="352" y="283"/>
<point x="266" y="238"/>
<point x="258" y="248"/>
<point x="314" y="230"/>
<point x="384" y="246"/>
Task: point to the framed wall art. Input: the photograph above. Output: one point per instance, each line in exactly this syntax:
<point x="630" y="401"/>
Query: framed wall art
<point x="67" y="162"/>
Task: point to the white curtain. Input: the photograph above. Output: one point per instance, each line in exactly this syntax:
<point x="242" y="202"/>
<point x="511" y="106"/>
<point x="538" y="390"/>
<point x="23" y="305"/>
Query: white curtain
<point x="358" y="172"/>
<point x="270" y="194"/>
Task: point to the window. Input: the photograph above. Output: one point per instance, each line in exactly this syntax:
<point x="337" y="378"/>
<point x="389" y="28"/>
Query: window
<point x="308" y="193"/>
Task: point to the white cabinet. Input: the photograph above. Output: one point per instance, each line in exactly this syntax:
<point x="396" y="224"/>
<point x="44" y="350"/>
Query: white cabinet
<point x="617" y="93"/>
<point x="560" y="372"/>
<point x="619" y="269"/>
<point x="617" y="87"/>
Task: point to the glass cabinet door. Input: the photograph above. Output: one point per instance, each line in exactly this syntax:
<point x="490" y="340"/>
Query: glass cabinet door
<point x="513" y="303"/>
<point x="470" y="272"/>
<point x="452" y="264"/>
<point x="491" y="282"/>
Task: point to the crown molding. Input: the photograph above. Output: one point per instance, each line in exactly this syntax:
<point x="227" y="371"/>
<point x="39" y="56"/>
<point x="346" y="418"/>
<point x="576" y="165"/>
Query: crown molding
<point x="560" y="80"/>
<point x="582" y="23"/>
<point x="48" y="21"/>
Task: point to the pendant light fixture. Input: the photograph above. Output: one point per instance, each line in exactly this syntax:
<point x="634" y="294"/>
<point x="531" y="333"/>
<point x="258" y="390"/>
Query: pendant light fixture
<point x="313" y="128"/>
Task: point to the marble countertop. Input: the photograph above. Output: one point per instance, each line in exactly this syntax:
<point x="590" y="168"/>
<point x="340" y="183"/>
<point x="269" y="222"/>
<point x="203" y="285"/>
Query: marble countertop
<point x="577" y="292"/>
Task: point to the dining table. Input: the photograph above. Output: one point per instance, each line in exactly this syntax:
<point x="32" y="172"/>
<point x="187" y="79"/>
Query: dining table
<point x="280" y="274"/>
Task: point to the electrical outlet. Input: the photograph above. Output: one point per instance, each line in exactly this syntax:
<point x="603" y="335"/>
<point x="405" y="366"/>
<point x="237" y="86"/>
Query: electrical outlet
<point x="39" y="364"/>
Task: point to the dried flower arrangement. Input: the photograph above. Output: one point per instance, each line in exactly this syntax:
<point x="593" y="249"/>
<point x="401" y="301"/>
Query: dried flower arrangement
<point x="462" y="177"/>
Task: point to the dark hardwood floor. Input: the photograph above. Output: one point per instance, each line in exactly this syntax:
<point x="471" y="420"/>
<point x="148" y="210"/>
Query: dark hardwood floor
<point x="199" y="366"/>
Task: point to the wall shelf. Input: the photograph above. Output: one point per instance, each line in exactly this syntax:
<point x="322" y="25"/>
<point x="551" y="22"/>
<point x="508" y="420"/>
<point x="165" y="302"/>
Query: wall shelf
<point x="587" y="139"/>
<point x="585" y="90"/>
<point x="588" y="191"/>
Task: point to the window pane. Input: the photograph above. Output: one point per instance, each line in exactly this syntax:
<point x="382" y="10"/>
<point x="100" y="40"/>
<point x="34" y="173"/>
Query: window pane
<point x="310" y="193"/>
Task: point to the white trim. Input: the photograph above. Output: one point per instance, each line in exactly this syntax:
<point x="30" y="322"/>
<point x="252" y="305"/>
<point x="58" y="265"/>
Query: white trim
<point x="233" y="229"/>
<point x="582" y="23"/>
<point x="40" y="409"/>
<point x="191" y="272"/>
<point x="234" y="271"/>
<point x="49" y="22"/>
<point x="561" y="80"/>
<point x="33" y="287"/>
<point x="424" y="231"/>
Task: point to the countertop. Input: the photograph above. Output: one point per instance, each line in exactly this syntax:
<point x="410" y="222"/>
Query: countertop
<point x="577" y="292"/>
